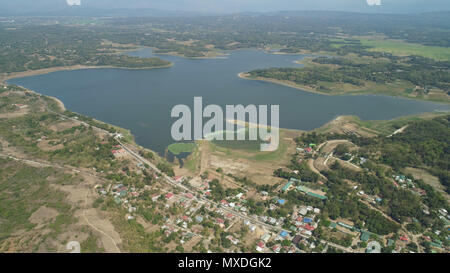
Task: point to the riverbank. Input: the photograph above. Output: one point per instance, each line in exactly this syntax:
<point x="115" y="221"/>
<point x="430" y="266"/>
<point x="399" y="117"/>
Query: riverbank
<point x="8" y="76"/>
<point x="212" y="55"/>
<point x="244" y="75"/>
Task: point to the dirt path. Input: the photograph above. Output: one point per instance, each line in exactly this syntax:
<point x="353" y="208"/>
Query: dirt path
<point x="204" y="159"/>
<point x="110" y="244"/>
<point x="313" y="168"/>
<point x="398" y="131"/>
<point x="98" y="224"/>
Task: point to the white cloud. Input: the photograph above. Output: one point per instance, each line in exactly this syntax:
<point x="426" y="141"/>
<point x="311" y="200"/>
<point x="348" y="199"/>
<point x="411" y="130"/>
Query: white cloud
<point x="73" y="2"/>
<point x="374" y="2"/>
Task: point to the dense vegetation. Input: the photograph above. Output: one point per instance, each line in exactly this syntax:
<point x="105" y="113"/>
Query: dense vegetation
<point x="417" y="71"/>
<point x="423" y="144"/>
<point x="23" y="190"/>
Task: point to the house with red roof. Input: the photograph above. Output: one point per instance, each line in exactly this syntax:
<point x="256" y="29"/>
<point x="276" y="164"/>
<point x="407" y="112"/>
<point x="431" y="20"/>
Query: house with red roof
<point x="178" y="179"/>
<point x="308" y="227"/>
<point x="404" y="238"/>
<point x="276" y="248"/>
<point x="169" y="195"/>
<point x="189" y="195"/>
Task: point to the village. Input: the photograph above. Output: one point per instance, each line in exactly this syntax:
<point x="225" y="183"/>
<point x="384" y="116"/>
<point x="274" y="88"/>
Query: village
<point x="188" y="216"/>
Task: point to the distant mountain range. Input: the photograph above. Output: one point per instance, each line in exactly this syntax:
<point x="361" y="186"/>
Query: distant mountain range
<point x="97" y="12"/>
<point x="182" y="8"/>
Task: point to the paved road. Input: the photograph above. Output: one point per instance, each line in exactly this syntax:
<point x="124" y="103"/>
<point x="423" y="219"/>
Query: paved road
<point x="186" y="189"/>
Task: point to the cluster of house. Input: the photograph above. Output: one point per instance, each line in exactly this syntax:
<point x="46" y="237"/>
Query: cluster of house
<point x="118" y="151"/>
<point x="271" y="220"/>
<point x="407" y="183"/>
<point x="121" y="193"/>
<point x="204" y="188"/>
<point x="307" y="150"/>
<point x="310" y="192"/>
<point x="303" y="220"/>
<point x="224" y="216"/>
<point x="364" y="234"/>
<point x="122" y="196"/>
<point x="184" y="200"/>
<point x="186" y="235"/>
<point x="369" y="198"/>
<point x="237" y="203"/>
<point x="262" y="244"/>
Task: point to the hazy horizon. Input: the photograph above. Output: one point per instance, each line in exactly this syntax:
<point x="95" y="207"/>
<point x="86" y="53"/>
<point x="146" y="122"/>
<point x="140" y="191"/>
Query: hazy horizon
<point x="229" y="6"/>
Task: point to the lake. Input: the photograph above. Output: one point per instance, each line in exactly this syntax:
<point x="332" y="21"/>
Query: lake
<point x="141" y="100"/>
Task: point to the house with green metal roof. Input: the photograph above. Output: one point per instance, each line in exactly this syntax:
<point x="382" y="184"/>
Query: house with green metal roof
<point x="295" y="180"/>
<point x="435" y="244"/>
<point x="303" y="189"/>
<point x="345" y="225"/>
<point x="390" y="242"/>
<point x="365" y="236"/>
<point x="287" y="186"/>
<point x="316" y="195"/>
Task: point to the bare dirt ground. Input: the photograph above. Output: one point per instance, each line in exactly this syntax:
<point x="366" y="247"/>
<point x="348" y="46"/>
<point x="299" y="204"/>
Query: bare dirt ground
<point x="326" y="148"/>
<point x="7" y="149"/>
<point x="82" y="196"/>
<point x="244" y="164"/>
<point x="329" y="146"/>
<point x="147" y="226"/>
<point x="16" y="114"/>
<point x="344" y="125"/>
<point x="191" y="243"/>
<point x="46" y="146"/>
<point x="62" y="126"/>
<point x="42" y="215"/>
<point x="313" y="168"/>
<point x="236" y="162"/>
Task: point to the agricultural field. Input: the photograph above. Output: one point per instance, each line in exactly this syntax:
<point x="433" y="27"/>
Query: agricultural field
<point x="402" y="48"/>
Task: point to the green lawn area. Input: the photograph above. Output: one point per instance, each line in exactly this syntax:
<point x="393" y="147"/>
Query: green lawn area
<point x="403" y="48"/>
<point x="178" y="148"/>
<point x="249" y="149"/>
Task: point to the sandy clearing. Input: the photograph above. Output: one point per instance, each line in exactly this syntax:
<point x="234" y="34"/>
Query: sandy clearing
<point x="42" y="215"/>
<point x="16" y="114"/>
<point x="62" y="126"/>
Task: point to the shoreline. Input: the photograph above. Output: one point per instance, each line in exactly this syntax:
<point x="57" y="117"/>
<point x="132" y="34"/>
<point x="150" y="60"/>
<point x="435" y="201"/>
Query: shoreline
<point x="63" y="108"/>
<point x="244" y="75"/>
<point x="14" y="75"/>
<point x="175" y="54"/>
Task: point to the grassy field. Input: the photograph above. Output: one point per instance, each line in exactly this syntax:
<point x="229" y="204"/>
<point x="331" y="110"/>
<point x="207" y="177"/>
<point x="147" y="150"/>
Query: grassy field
<point x="403" y="49"/>
<point x="375" y="127"/>
<point x="251" y="149"/>
<point x="178" y="148"/>
<point x="193" y="161"/>
<point x="30" y="209"/>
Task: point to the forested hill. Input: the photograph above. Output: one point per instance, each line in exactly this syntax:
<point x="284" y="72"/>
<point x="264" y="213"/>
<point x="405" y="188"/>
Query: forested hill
<point x="423" y="143"/>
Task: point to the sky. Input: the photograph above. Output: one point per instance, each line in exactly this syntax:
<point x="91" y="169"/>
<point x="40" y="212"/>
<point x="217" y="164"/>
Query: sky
<point x="229" y="6"/>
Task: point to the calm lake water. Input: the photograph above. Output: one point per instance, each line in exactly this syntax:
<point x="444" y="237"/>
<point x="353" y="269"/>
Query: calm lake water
<point x="141" y="100"/>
